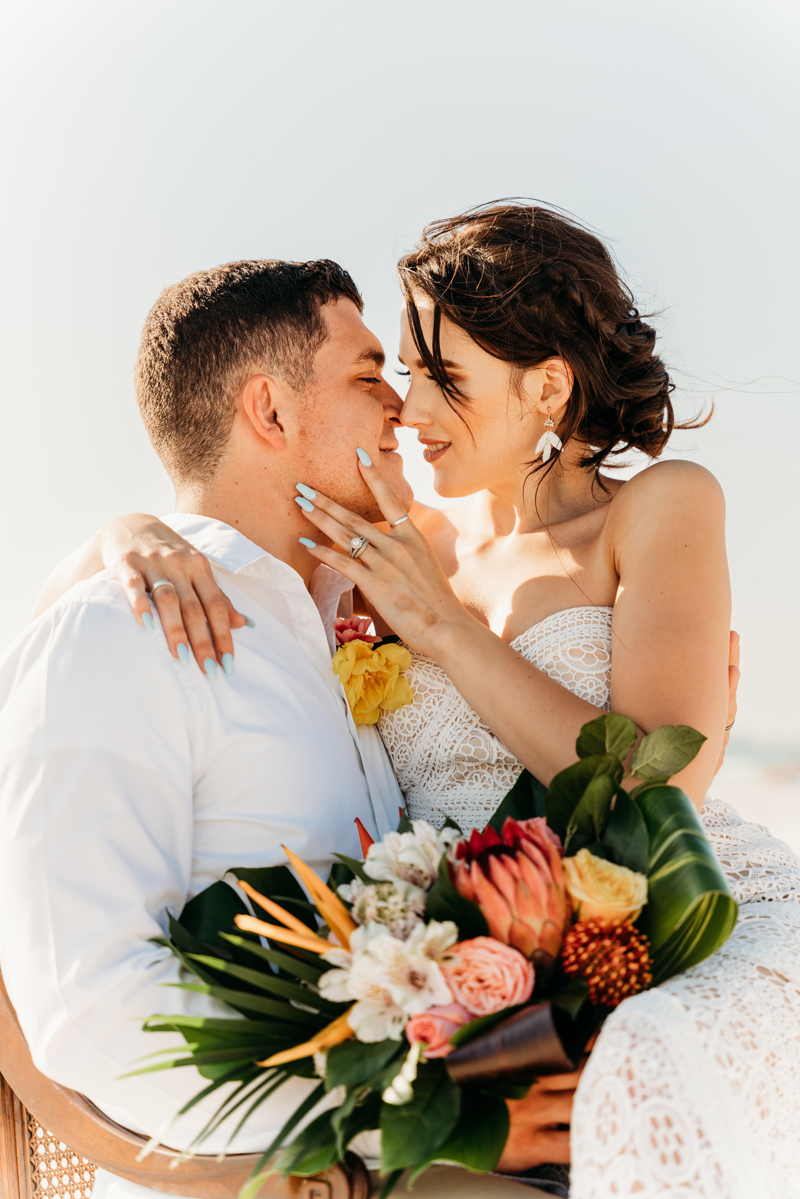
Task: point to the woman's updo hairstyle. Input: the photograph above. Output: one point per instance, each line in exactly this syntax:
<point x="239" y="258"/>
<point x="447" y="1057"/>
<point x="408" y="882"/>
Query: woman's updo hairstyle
<point x="527" y="284"/>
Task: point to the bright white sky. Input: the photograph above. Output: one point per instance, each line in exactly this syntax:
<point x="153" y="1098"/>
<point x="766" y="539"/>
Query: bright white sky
<point x="145" y="139"/>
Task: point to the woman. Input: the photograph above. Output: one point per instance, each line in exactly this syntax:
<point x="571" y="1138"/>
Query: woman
<point x="551" y="590"/>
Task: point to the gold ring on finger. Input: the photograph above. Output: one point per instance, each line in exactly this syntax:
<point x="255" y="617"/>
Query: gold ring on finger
<point x="357" y="546"/>
<point x="393" y="524"/>
<point x="161" y="583"/>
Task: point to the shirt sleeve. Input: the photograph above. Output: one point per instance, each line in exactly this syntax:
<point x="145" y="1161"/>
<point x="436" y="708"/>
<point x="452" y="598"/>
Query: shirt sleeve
<point x="99" y="749"/>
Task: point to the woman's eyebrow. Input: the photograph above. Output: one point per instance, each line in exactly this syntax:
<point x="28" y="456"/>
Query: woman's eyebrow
<point x="446" y="362"/>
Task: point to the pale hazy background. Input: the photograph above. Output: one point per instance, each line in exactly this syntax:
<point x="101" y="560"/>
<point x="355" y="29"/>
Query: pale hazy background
<point x="144" y="139"/>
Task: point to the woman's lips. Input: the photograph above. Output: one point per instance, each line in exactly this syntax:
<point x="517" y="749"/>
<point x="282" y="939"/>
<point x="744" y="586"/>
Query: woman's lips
<point x="433" y="450"/>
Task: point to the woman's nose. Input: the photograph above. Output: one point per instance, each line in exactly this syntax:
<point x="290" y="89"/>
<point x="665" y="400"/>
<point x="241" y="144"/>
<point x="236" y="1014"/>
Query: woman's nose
<point x="413" y="413"/>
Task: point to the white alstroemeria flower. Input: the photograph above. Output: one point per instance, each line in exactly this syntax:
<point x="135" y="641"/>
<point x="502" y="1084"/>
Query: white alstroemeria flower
<point x="434" y="940"/>
<point x="412" y="978"/>
<point x="375" y="1016"/>
<point x="397" y="905"/>
<point x="410" y="857"/>
<point x="389" y="979"/>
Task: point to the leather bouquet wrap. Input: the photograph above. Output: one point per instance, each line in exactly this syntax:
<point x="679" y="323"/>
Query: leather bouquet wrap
<point x="423" y="986"/>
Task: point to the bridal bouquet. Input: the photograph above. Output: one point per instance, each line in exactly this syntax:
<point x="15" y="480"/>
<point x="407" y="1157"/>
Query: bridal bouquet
<point x="449" y="971"/>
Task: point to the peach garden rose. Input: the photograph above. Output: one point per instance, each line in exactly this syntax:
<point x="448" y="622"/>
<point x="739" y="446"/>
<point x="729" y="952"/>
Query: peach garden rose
<point x="488" y="976"/>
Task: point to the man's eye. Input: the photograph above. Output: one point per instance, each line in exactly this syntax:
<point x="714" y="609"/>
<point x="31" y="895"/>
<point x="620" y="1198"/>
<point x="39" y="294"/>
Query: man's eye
<point x="372" y="379"/>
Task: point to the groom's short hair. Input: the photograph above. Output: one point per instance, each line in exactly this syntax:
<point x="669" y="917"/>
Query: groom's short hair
<point x="205" y="336"/>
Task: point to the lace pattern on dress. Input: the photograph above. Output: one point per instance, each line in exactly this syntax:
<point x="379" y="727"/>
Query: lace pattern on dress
<point x="694" y="1088"/>
<point x="447" y="761"/>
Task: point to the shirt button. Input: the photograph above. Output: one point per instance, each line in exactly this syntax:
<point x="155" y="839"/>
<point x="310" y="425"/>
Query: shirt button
<point x="301" y="619"/>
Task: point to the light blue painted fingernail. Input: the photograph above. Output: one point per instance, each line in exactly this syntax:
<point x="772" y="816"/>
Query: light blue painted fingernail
<point x="304" y="504"/>
<point x="249" y="623"/>
<point x="308" y="492"/>
<point x="210" y="668"/>
<point x="227" y="663"/>
<point x="183" y="653"/>
<point x="148" y="622"/>
<point x="363" y="457"/>
<point x="307" y="542"/>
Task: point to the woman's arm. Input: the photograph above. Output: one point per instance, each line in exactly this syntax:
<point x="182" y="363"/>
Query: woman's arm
<point x="671" y="625"/>
<point x="138" y="550"/>
<point x="671" y="621"/>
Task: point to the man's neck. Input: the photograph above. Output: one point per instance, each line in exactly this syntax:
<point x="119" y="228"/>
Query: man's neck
<point x="267" y="516"/>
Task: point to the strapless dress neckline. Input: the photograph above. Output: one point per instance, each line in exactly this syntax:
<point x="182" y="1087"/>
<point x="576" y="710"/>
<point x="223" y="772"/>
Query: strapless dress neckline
<point x="448" y="762"/>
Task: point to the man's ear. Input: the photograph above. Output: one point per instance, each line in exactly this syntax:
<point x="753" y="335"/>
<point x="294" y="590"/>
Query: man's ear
<point x="262" y="404"/>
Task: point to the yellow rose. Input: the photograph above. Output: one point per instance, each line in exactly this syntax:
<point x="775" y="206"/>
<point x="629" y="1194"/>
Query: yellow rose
<point x="371" y="678"/>
<point x="603" y="891"/>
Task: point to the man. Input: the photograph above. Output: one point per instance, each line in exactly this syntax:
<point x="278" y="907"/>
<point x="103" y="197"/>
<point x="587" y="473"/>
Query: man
<point x="130" y="780"/>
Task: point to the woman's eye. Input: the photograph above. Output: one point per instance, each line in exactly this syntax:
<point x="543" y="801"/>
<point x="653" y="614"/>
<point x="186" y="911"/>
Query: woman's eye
<point x="404" y="374"/>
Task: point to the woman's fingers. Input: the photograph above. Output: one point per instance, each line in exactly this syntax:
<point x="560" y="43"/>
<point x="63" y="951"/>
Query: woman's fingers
<point x="388" y="502"/>
<point x="135" y="590"/>
<point x="217" y="610"/>
<point x="336" y="522"/>
<point x="734" y="674"/>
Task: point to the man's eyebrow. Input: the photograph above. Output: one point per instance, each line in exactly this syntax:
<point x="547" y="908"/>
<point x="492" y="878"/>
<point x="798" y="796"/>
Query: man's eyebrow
<point x="376" y="357"/>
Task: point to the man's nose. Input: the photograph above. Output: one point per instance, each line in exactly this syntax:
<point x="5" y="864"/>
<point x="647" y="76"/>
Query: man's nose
<point x="392" y="404"/>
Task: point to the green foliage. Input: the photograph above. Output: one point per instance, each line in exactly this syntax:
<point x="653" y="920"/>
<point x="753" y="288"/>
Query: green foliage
<point x="412" y="1133"/>
<point x="353" y="1063"/>
<point x="570" y="786"/>
<point x="445" y="903"/>
<point x="611" y="734"/>
<point x="625" y="839"/>
<point x="524" y="801"/>
<point x="666" y="752"/>
<point x="690" y="911"/>
<point x="478" y="1137"/>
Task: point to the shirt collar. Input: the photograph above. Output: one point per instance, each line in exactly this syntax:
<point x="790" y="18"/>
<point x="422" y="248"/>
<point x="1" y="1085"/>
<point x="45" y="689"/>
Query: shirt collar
<point x="235" y="552"/>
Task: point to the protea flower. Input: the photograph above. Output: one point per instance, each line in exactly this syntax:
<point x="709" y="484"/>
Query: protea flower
<point x="517" y="880"/>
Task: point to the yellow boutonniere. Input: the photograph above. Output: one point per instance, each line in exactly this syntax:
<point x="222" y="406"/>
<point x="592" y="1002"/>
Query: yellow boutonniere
<point x="371" y="678"/>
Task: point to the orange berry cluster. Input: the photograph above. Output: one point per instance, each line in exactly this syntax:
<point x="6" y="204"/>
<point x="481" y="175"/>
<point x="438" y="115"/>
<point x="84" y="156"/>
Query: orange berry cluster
<point x="614" y="959"/>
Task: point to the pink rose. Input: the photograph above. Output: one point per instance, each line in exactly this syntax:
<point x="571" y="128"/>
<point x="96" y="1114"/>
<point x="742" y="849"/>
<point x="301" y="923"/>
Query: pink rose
<point x="435" y="1028"/>
<point x="489" y="977"/>
<point x="353" y="628"/>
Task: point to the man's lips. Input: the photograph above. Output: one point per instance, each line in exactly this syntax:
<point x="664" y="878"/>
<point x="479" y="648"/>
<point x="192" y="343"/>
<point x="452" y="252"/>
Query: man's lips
<point x="433" y="450"/>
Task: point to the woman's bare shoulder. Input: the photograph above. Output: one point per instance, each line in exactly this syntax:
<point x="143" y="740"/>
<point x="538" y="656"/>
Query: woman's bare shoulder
<point x="669" y="506"/>
<point x="669" y="488"/>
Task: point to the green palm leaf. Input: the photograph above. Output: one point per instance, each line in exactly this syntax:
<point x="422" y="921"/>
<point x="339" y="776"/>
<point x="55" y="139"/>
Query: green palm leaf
<point x="690" y="911"/>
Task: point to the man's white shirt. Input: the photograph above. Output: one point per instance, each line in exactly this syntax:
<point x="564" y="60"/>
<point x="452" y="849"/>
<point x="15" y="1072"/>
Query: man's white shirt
<point x="130" y="782"/>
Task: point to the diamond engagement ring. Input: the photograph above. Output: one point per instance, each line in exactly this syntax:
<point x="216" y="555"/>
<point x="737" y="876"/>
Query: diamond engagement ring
<point x="160" y="583"/>
<point x="357" y="546"/>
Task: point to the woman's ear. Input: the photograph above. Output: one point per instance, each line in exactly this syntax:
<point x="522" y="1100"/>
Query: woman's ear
<point x="261" y="407"/>
<point x="556" y="381"/>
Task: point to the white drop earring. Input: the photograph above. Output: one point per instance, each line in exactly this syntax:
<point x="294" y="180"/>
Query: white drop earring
<point x="549" y="440"/>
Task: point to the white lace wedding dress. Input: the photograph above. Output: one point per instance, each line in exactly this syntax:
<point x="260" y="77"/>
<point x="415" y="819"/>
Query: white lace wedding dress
<point x="693" y="1087"/>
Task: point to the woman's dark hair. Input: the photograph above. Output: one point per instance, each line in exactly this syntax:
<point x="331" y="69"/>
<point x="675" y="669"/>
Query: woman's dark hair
<point x="526" y="284"/>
